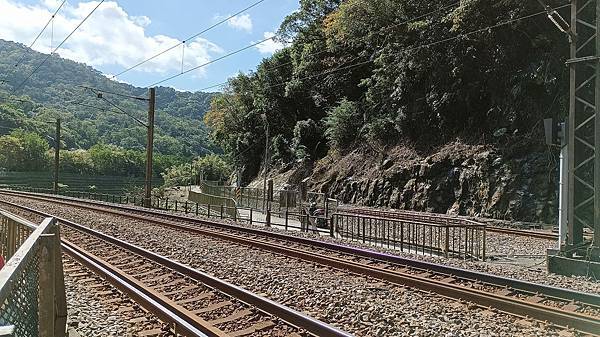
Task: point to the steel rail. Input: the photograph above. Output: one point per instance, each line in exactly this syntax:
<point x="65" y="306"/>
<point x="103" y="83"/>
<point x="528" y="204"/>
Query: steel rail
<point x="559" y="293"/>
<point x="441" y="218"/>
<point x="273" y="308"/>
<point x="162" y="312"/>
<point x="512" y="305"/>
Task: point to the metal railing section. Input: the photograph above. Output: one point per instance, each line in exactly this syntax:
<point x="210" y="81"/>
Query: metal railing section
<point x="465" y="241"/>
<point x="229" y="205"/>
<point x="32" y="290"/>
<point x="282" y="200"/>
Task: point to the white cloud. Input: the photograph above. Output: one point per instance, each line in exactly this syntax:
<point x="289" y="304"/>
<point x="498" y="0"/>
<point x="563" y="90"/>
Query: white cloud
<point x="109" y="37"/>
<point x="241" y="22"/>
<point x="269" y="46"/>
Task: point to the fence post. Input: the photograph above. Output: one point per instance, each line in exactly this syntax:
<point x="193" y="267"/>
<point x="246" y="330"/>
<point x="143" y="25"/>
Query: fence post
<point x="208" y="213"/>
<point x="186" y="207"/>
<point x="47" y="282"/>
<point x="60" y="296"/>
<point x="331" y="222"/>
<point x="401" y="236"/>
<point x="196" y="208"/>
<point x="364" y="231"/>
<point x="483" y="253"/>
<point x="12" y="239"/>
<point x="221" y="211"/>
<point x="447" y="243"/>
<point x="269" y="201"/>
<point x="286" y="219"/>
<point x="251" y="215"/>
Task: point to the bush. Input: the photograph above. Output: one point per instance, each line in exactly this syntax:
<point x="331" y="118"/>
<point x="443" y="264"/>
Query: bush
<point x="23" y="151"/>
<point x="383" y="130"/>
<point x="308" y="138"/>
<point x="281" y="150"/>
<point x="213" y="167"/>
<point x="342" y="124"/>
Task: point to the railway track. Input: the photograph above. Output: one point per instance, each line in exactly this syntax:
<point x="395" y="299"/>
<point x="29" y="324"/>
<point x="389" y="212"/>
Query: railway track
<point x="563" y="308"/>
<point x="191" y="302"/>
<point x="97" y="299"/>
<point x="441" y="219"/>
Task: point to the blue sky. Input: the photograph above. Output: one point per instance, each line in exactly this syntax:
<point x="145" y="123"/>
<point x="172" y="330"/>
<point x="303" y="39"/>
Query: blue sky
<point x="122" y="33"/>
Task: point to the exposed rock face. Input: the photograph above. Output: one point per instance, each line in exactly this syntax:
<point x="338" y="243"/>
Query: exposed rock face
<point x="456" y="179"/>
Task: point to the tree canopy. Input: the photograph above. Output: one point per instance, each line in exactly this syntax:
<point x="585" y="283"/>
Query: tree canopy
<point x="382" y="72"/>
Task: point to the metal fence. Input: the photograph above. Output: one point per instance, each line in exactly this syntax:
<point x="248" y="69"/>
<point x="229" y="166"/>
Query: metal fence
<point x="32" y="290"/>
<point x="75" y="182"/>
<point x="256" y="198"/>
<point x="445" y="239"/>
<point x="213" y="200"/>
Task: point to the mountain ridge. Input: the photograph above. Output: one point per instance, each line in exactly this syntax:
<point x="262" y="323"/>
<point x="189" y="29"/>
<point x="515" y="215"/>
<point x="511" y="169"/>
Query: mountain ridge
<point x="54" y="91"/>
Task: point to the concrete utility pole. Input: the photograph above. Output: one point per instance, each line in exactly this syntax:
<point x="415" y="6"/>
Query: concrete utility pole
<point x="56" y="155"/>
<point x="150" y="146"/>
<point x="266" y="164"/>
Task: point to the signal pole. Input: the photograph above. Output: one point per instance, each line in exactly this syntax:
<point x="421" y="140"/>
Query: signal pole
<point x="56" y="155"/>
<point x="150" y="146"/>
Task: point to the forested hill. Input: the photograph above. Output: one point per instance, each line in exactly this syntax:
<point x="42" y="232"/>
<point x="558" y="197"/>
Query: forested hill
<point x="379" y="73"/>
<point x="54" y="91"/>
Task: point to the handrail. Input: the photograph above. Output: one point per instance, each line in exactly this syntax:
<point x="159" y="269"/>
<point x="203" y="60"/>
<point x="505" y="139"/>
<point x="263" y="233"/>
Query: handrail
<point x="32" y="292"/>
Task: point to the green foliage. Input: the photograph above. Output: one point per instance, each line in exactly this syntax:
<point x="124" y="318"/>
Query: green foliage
<point x="368" y="72"/>
<point x="343" y="124"/>
<point x="23" y="151"/>
<point x="212" y="167"/>
<point x="308" y="138"/>
<point x="54" y="92"/>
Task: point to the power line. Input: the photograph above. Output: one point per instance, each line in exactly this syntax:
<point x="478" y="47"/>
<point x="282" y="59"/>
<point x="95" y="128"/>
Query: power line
<point x="462" y="35"/>
<point x="40" y="34"/>
<point x="95" y="90"/>
<point x="379" y="31"/>
<point x="187" y="39"/>
<point x="359" y="39"/>
<point x="57" y="47"/>
<point x="212" y="61"/>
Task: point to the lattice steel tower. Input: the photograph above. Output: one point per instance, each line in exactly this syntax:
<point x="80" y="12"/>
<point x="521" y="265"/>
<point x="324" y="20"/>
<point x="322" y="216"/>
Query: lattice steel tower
<point x="583" y="136"/>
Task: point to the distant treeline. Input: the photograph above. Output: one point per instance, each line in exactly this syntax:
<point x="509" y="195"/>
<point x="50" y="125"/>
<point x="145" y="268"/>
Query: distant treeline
<point x="27" y="151"/>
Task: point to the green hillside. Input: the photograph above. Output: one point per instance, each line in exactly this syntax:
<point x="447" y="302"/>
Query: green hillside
<point x="53" y="91"/>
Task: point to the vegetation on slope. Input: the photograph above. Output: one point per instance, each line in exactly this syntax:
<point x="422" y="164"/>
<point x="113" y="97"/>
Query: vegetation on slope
<point x="54" y="91"/>
<point x="364" y="72"/>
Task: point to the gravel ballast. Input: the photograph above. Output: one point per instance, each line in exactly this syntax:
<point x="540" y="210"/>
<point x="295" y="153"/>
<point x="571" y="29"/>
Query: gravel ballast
<point x="360" y="305"/>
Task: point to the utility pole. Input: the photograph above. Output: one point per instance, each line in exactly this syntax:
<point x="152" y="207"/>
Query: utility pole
<point x="150" y="145"/>
<point x="581" y="174"/>
<point x="56" y="155"/>
<point x="264" y="117"/>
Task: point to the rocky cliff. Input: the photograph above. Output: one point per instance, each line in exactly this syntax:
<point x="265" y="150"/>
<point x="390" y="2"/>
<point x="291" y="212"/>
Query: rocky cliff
<point x="476" y="180"/>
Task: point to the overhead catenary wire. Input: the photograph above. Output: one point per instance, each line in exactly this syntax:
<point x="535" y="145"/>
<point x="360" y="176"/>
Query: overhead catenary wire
<point x="211" y="61"/>
<point x="57" y="47"/>
<point x="358" y="39"/>
<point x="188" y="39"/>
<point x="40" y="33"/>
<point x="462" y="35"/>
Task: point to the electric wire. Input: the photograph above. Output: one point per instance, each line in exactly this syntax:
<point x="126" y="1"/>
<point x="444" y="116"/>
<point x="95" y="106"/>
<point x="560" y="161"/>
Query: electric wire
<point x="462" y="35"/>
<point x="57" y="47"/>
<point x="358" y="39"/>
<point x="189" y="38"/>
<point x="211" y="61"/>
<point x="40" y="34"/>
<point x="113" y="93"/>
